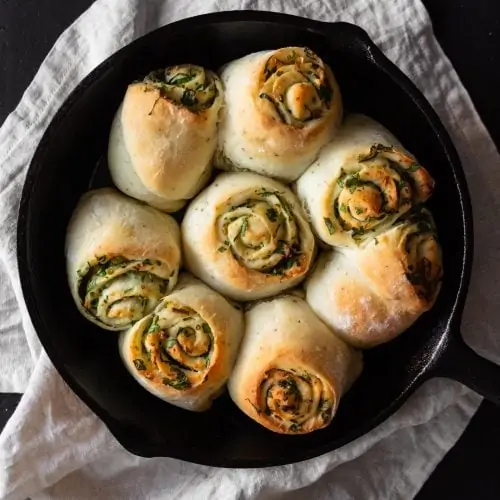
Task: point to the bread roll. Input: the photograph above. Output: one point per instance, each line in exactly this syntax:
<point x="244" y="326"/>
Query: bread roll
<point x="371" y="295"/>
<point x="281" y="107"/>
<point x="121" y="258"/>
<point x="164" y="134"/>
<point x="246" y="236"/>
<point x="361" y="183"/>
<point x="291" y="370"/>
<point x="184" y="351"/>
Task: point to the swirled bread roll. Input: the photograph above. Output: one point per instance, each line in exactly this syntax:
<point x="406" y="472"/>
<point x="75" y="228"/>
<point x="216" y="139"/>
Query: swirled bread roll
<point x="122" y="257"/>
<point x="164" y="135"/>
<point x="371" y="295"/>
<point x="291" y="370"/>
<point x="184" y="351"/>
<point x="246" y="236"/>
<point x="361" y="183"/>
<point x="281" y="107"/>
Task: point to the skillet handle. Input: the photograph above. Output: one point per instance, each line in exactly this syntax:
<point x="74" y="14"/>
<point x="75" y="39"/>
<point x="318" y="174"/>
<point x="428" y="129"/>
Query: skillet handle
<point x="459" y="362"/>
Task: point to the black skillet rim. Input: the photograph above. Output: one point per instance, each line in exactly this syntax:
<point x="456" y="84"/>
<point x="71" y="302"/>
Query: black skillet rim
<point x="36" y="164"/>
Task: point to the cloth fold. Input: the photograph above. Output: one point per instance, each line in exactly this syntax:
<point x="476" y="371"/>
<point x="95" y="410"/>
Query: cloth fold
<point x="54" y="447"/>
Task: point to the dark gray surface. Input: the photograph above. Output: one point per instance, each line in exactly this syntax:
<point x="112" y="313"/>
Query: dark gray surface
<point x="468" y="30"/>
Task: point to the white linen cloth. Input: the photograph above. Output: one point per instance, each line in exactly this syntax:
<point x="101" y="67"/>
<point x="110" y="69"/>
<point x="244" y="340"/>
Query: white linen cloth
<point x="54" y="447"/>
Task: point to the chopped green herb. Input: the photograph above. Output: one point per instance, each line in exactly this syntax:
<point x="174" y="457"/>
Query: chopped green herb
<point x="329" y="225"/>
<point x="343" y="207"/>
<point x="272" y="214"/>
<point x="180" y="383"/>
<point x="265" y="192"/>
<point x="179" y="79"/>
<point x="357" y="233"/>
<point x="154" y="327"/>
<point x="281" y="247"/>
<point x="324" y="405"/>
<point x="295" y="428"/>
<point x="374" y="151"/>
<point x="244" y="226"/>
<point x="222" y="249"/>
<point x="286" y="208"/>
<point x="325" y="93"/>
<point x="139" y="364"/>
<point x="267" y="97"/>
<point x="206" y="328"/>
<point x="326" y="416"/>
<point x="171" y="342"/>
<point x="189" y="98"/>
<point x="128" y="290"/>
<point x="413" y="167"/>
<point x="147" y="262"/>
<point x="353" y="182"/>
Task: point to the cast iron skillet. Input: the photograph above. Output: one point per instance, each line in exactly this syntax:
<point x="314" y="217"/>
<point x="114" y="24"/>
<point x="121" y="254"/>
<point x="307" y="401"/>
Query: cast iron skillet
<point x="64" y="167"/>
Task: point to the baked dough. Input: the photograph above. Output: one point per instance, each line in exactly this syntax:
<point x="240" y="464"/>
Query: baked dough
<point x="292" y="370"/>
<point x="164" y="135"/>
<point x="281" y="107"/>
<point x="184" y="351"/>
<point x="122" y="257"/>
<point x="361" y="183"/>
<point x="247" y="236"/>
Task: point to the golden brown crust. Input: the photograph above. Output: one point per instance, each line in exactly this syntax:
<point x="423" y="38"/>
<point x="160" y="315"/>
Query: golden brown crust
<point x="370" y="295"/>
<point x="368" y="320"/>
<point x="362" y="182"/>
<point x="168" y="133"/>
<point x="246" y="236"/>
<point x="193" y="326"/>
<point x="275" y="125"/>
<point x="284" y="140"/>
<point x="292" y="370"/>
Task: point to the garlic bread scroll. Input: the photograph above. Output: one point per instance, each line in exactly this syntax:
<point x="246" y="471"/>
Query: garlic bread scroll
<point x="122" y="257"/>
<point x="164" y="134"/>
<point x="247" y="236"/>
<point x="371" y="295"/>
<point x="281" y="107"/>
<point x="184" y="351"/>
<point x="361" y="183"/>
<point x="292" y="370"/>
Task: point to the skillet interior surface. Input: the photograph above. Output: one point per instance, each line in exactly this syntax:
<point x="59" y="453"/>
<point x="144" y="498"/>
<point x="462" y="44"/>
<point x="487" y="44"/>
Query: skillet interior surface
<point x="71" y="158"/>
